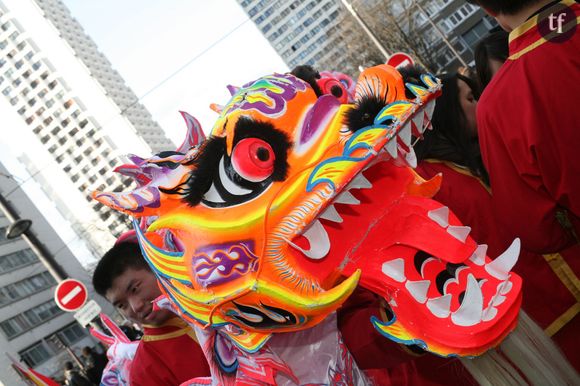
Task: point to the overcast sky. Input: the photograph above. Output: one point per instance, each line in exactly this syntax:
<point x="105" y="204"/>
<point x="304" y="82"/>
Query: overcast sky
<point x="147" y="41"/>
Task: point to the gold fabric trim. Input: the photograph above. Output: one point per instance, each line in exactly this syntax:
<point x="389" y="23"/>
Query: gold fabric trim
<point x="169" y="335"/>
<point x="570" y="280"/>
<point x="459" y="169"/>
<point x="565" y="273"/>
<point x="529" y="24"/>
<point x="540" y="41"/>
<point x="566" y="317"/>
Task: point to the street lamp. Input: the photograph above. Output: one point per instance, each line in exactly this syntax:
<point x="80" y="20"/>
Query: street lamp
<point x="18" y="228"/>
<point x="21" y="228"/>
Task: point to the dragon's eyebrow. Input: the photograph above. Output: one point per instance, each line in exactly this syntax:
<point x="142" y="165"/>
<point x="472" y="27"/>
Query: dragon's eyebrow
<point x="204" y="166"/>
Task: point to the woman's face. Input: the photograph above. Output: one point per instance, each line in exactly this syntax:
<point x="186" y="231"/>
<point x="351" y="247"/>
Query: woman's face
<point x="468" y="104"/>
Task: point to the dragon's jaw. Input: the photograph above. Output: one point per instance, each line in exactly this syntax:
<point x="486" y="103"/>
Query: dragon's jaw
<point x="445" y="294"/>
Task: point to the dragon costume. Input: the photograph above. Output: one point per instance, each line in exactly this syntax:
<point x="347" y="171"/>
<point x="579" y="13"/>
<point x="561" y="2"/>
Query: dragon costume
<point x="262" y="230"/>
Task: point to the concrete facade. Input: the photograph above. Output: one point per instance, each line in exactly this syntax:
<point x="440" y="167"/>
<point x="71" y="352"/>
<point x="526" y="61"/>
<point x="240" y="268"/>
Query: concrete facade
<point x="32" y="328"/>
<point x="71" y="115"/>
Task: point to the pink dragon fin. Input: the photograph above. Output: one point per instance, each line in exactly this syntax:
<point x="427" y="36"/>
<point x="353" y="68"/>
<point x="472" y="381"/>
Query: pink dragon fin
<point x="195" y="134"/>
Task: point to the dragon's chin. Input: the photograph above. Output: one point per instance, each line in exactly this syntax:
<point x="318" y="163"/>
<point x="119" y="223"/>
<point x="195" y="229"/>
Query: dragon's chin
<point x="445" y="294"/>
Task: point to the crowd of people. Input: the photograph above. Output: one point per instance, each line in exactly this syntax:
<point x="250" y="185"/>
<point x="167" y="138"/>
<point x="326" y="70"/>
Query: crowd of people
<point x="505" y="140"/>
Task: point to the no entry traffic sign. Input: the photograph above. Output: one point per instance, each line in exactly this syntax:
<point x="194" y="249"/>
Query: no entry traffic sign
<point x="70" y="295"/>
<point x="400" y="59"/>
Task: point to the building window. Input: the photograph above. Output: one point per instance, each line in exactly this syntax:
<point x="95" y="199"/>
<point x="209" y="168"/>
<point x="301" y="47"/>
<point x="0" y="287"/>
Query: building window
<point x="26" y="287"/>
<point x="36" y="354"/>
<point x="29" y="319"/>
<point x="16" y="259"/>
<point x="72" y="334"/>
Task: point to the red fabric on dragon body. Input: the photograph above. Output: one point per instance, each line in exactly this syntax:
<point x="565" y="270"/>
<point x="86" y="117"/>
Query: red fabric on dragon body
<point x="270" y="223"/>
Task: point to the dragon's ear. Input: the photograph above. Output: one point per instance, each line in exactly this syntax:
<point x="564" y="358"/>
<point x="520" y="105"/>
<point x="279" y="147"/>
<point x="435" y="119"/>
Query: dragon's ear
<point x="309" y="75"/>
<point x="376" y="87"/>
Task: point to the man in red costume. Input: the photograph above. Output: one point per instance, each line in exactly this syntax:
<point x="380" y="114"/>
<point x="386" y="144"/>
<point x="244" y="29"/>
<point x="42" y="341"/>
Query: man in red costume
<point x="168" y="353"/>
<point x="528" y="129"/>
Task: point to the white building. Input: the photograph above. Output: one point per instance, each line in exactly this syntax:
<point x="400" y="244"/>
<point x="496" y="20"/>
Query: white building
<point x="300" y="30"/>
<point x="67" y="115"/>
<point x="32" y="327"/>
<point x="86" y="50"/>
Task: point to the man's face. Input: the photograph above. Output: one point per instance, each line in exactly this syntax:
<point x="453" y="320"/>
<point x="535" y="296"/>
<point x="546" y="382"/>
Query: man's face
<point x="132" y="293"/>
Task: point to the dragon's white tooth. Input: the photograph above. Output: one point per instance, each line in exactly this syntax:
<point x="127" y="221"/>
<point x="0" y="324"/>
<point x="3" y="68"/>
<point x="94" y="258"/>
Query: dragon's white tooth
<point x="405" y="134"/>
<point x="391" y="148"/>
<point x="440" y="216"/>
<point x="489" y="313"/>
<point x="440" y="307"/>
<point x="497" y="300"/>
<point x="411" y="158"/>
<point x="459" y="232"/>
<point x="429" y="108"/>
<point x="331" y="214"/>
<point x="318" y="240"/>
<point x="478" y="257"/>
<point x="359" y="182"/>
<point x="469" y="313"/>
<point x="418" y="289"/>
<point x="503" y="264"/>
<point x="346" y="197"/>
<point x="505" y="287"/>
<point x="395" y="269"/>
<point x="418" y="121"/>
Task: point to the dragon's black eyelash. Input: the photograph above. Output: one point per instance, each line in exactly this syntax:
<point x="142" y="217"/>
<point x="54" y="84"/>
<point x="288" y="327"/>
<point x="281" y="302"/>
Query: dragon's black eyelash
<point x="205" y="164"/>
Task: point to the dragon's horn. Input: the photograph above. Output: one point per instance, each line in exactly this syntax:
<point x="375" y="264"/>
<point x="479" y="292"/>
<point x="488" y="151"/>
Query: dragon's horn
<point x="106" y="339"/>
<point x="217" y="108"/>
<point x="195" y="134"/>
<point x="233" y="89"/>
<point x="115" y="330"/>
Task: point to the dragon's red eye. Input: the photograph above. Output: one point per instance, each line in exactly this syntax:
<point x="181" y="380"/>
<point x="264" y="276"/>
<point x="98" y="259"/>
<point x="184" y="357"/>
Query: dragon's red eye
<point x="253" y="159"/>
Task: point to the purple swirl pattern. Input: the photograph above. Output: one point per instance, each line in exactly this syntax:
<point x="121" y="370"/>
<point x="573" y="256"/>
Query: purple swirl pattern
<point x="222" y="263"/>
<point x="267" y="95"/>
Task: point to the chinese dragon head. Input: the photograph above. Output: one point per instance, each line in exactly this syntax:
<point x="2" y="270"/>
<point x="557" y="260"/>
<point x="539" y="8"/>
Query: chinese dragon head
<point x="269" y="224"/>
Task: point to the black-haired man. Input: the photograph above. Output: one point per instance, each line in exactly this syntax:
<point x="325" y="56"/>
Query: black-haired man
<point x="528" y="130"/>
<point x="168" y="353"/>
